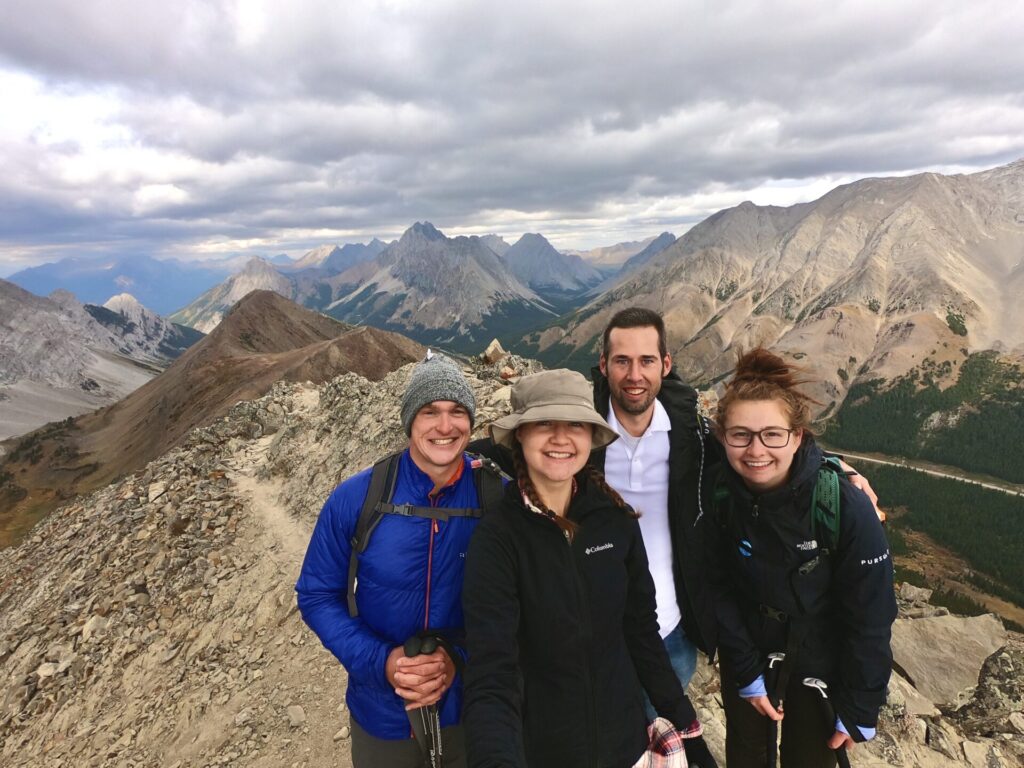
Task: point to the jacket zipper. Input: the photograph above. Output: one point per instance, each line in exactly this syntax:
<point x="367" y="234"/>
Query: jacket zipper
<point x="430" y="567"/>
<point x="588" y="688"/>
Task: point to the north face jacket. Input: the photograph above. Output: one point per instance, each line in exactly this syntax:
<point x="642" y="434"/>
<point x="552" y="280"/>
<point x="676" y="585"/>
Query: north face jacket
<point x="410" y="579"/>
<point x="767" y="545"/>
<point x="562" y="637"/>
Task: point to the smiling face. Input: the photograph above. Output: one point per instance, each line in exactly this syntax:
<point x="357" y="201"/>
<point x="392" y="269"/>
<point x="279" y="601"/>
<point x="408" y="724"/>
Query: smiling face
<point x="634" y="368"/>
<point x="762" y="469"/>
<point x="554" y="450"/>
<point x="437" y="438"/>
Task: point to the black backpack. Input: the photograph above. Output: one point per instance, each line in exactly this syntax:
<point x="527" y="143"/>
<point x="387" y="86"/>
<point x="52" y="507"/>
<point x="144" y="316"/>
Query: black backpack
<point x="490" y="485"/>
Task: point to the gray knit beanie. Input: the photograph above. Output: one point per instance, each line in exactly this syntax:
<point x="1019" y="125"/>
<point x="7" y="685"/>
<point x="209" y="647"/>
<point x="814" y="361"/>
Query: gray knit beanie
<point x="436" y="378"/>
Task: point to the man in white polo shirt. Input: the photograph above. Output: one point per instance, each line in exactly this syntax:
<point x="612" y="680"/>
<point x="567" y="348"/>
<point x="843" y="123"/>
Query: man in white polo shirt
<point x="656" y="466"/>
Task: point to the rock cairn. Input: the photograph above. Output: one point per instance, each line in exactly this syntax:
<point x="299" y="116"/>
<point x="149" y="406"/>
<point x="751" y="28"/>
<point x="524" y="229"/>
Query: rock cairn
<point x="153" y="623"/>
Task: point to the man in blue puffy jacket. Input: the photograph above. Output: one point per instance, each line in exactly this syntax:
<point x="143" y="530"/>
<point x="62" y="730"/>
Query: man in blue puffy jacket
<point x="409" y="578"/>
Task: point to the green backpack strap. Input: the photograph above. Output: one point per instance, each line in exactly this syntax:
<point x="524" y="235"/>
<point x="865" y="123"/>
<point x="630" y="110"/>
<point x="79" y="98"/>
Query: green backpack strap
<point x="825" y="504"/>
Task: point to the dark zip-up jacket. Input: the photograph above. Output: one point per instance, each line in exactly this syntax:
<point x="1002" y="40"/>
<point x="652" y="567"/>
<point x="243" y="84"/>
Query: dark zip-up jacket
<point x="847" y="601"/>
<point x="693" y="450"/>
<point x="561" y="636"/>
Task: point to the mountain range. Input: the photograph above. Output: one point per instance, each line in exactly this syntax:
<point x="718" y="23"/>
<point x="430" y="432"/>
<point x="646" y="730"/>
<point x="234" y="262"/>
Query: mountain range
<point x="868" y="282"/>
<point x="456" y="292"/>
<point x="60" y="358"/>
<point x="264" y="339"/>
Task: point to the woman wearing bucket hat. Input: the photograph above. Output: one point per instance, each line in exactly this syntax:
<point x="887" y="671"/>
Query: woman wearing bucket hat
<point x="559" y="604"/>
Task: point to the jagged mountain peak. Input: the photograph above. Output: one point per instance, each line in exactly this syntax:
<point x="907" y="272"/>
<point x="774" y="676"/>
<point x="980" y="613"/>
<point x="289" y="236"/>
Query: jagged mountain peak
<point x="438" y="289"/>
<point x="206" y="312"/>
<point x="317" y="256"/>
<point x="257" y="265"/>
<point x="425" y="230"/>
<point x="127" y="305"/>
<point x="538" y="264"/>
<point x="496" y="243"/>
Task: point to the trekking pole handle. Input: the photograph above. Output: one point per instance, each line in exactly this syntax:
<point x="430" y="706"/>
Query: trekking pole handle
<point x="771" y="678"/>
<point x="829" y="712"/>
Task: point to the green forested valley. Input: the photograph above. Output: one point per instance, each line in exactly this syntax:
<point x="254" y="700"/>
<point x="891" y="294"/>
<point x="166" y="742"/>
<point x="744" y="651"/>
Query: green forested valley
<point x="976" y="424"/>
<point x="983" y="526"/>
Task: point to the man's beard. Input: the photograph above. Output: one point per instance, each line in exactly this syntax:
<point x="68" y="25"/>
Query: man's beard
<point x="634" y="408"/>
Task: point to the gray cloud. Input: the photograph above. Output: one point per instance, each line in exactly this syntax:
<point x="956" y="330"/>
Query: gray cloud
<point x="332" y="121"/>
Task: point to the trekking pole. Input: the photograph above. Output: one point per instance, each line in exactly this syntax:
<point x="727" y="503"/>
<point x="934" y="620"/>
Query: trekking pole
<point x="428" y="730"/>
<point x="829" y="713"/>
<point x="430" y="645"/>
<point x="771" y="681"/>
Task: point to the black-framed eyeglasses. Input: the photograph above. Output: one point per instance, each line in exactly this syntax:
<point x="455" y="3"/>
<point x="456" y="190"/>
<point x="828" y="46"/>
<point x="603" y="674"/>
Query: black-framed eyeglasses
<point x="770" y="437"/>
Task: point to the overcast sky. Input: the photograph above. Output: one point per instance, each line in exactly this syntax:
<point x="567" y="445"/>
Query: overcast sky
<point x="194" y="129"/>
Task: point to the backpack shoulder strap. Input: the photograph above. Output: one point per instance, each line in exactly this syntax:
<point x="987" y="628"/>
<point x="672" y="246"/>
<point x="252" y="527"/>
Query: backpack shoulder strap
<point x="490" y="482"/>
<point x="825" y="504"/>
<point x="382" y="487"/>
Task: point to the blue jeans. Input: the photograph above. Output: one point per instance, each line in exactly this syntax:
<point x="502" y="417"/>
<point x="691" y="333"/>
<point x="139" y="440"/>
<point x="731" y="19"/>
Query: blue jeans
<point x="683" y="656"/>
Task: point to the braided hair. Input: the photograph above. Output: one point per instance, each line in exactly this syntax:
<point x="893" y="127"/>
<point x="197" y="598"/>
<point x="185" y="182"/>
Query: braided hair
<point x="567" y="526"/>
<point x="763" y="375"/>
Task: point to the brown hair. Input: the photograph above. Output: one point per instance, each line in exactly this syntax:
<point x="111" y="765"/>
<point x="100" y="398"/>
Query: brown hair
<point x="567" y="526"/>
<point x="763" y="375"/>
<point x="635" y="317"/>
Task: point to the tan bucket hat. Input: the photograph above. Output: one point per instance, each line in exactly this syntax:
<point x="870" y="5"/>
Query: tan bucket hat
<point x="559" y="395"/>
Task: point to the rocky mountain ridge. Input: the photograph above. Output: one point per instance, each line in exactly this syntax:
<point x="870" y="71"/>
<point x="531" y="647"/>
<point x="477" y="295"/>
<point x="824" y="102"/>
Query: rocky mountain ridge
<point x="611" y="257"/>
<point x="143" y="334"/>
<point x="262" y="340"/>
<point x="205" y="312"/>
<point x="153" y="623"/>
<point x="863" y="283"/>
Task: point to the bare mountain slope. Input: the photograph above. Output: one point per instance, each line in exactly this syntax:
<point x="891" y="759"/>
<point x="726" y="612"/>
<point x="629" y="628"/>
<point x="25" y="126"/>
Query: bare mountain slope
<point x="258" y="275"/>
<point x="536" y="263"/>
<point x="59" y="358"/>
<point x="263" y="339"/>
<point x="862" y="283"/>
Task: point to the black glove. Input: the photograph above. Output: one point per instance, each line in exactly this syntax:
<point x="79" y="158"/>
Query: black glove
<point x="697" y="753"/>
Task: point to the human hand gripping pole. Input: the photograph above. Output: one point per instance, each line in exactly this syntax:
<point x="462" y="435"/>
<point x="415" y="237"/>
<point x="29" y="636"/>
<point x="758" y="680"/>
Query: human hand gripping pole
<point x="771" y="683"/>
<point x="828" y="713"/>
<point x="425" y="720"/>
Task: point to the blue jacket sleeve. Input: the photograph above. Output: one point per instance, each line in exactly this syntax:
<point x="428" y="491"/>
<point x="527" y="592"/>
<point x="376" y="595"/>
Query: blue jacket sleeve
<point x="323" y="587"/>
<point x="863" y="587"/>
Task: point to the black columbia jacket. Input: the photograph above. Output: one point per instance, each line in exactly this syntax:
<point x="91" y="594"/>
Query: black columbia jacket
<point x="693" y="450"/>
<point x="561" y="637"/>
<point x="847" y="601"/>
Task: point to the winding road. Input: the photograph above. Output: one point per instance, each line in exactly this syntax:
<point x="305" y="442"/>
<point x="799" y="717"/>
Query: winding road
<point x="952" y="473"/>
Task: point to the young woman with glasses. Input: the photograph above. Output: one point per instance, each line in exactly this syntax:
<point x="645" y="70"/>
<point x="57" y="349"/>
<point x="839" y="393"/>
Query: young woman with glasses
<point x="793" y="605"/>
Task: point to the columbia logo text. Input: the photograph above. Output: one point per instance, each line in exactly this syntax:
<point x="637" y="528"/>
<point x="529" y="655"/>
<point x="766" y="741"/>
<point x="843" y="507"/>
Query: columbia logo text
<point x="599" y="548"/>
